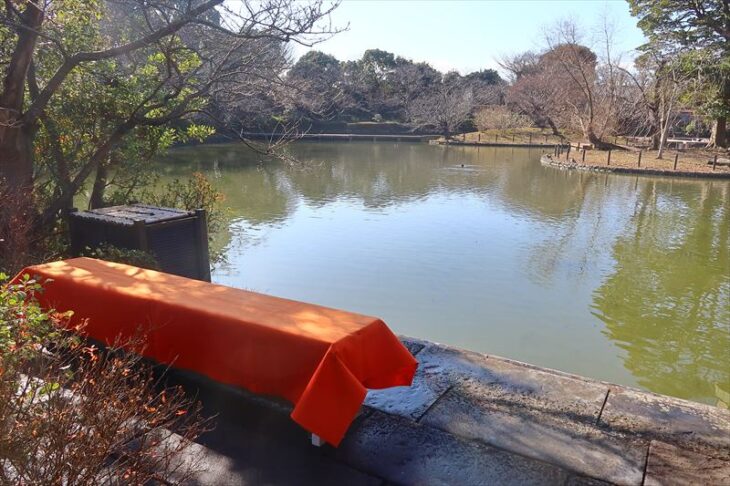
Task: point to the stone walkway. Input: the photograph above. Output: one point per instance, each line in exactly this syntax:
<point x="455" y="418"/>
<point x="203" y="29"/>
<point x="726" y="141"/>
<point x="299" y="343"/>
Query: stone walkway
<point x="471" y="419"/>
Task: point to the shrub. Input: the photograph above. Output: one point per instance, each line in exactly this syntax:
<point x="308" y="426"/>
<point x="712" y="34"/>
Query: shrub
<point x="111" y="253"/>
<point x="500" y="118"/>
<point x="73" y="414"/>
<point x="194" y="193"/>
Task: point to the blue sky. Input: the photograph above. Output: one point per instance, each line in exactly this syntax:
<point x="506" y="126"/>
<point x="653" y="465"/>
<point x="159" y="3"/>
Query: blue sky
<point x="466" y="35"/>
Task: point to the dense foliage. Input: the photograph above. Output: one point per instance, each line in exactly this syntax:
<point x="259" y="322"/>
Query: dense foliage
<point x="93" y="90"/>
<point x="381" y="86"/>
<point x="694" y="36"/>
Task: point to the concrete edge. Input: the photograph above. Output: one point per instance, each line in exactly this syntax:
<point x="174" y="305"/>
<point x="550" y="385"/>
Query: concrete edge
<point x="611" y="386"/>
<point x="283" y="407"/>
<point x="398" y="460"/>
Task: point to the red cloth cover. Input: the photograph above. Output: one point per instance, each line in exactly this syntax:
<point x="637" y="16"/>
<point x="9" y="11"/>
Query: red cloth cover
<point x="320" y="359"/>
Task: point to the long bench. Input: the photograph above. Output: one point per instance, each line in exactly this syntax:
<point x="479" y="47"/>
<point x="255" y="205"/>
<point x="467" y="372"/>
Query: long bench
<point x="321" y="360"/>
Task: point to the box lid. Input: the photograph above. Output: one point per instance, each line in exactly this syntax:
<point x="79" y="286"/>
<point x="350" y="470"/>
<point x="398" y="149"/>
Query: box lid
<point x="128" y="214"/>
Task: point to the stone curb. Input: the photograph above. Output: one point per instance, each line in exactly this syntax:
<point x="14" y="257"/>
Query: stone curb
<point x="589" y="428"/>
<point x="547" y="160"/>
<point x="471" y="418"/>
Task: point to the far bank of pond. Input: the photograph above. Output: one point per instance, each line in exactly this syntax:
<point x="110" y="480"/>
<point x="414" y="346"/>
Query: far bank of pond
<point x="616" y="277"/>
<point x="663" y="168"/>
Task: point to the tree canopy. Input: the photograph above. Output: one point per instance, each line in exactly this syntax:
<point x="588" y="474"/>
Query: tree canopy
<point x="695" y="34"/>
<point x="96" y="87"/>
<point x="381" y="85"/>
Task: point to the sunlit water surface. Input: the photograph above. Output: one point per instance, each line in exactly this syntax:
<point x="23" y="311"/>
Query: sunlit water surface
<point x="620" y="278"/>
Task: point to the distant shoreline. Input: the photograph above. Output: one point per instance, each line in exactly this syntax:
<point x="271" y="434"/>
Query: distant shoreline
<point x="548" y="160"/>
<point x="459" y="143"/>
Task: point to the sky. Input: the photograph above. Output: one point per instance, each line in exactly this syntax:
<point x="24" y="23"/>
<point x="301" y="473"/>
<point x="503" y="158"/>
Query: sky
<point x="466" y="35"/>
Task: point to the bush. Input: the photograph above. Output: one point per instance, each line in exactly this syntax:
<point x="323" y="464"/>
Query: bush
<point x="73" y="414"/>
<point x="194" y="193"/>
<point x="500" y="118"/>
<point x="111" y="253"/>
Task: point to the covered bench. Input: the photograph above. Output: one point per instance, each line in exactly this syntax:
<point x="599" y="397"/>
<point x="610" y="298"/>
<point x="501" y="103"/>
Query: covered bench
<point x="322" y="360"/>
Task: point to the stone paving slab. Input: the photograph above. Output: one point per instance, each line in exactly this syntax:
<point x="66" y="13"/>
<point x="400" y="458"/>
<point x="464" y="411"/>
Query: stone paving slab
<point x="467" y="419"/>
<point x="405" y="452"/>
<point x="410" y="402"/>
<point x="264" y="464"/>
<point x="441" y="368"/>
<point x="534" y="429"/>
<point x="255" y="452"/>
<point x="413" y="401"/>
<point x="669" y="465"/>
<point x="690" y="425"/>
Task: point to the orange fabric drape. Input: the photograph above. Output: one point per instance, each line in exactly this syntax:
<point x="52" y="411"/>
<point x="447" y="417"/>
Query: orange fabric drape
<point x="320" y="359"/>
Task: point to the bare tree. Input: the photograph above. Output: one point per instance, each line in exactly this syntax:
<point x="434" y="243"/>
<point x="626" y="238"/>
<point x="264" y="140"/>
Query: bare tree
<point x="536" y="93"/>
<point x="450" y="103"/>
<point x="589" y="92"/>
<point x="500" y="118"/>
<point x="616" y="96"/>
<point x="519" y="65"/>
<point x="573" y="66"/>
<point x="644" y="86"/>
<point x="408" y="80"/>
<point x="445" y="107"/>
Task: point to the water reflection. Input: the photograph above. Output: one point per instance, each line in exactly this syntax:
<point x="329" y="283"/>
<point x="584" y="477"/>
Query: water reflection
<point x="667" y="303"/>
<point x="620" y="278"/>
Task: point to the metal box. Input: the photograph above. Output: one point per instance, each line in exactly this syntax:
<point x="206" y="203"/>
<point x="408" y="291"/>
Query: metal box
<point x="178" y="239"/>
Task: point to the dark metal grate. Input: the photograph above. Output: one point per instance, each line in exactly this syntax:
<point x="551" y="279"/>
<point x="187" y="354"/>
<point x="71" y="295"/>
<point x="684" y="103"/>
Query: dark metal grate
<point x="178" y="239"/>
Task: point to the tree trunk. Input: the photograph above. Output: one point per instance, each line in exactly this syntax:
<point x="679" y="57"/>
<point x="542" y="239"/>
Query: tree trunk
<point x="593" y="139"/>
<point x="553" y="127"/>
<point x="719" y="137"/>
<point x="653" y="105"/>
<point x="656" y="126"/>
<point x="665" y="117"/>
<point x="16" y="136"/>
<point x="65" y="199"/>
<point x="16" y="155"/>
<point x="656" y="139"/>
<point x="97" y="193"/>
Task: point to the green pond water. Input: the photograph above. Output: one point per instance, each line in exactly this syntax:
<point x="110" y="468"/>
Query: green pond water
<point x="615" y="277"/>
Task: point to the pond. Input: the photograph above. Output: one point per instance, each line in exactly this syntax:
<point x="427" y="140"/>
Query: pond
<point x="620" y="278"/>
